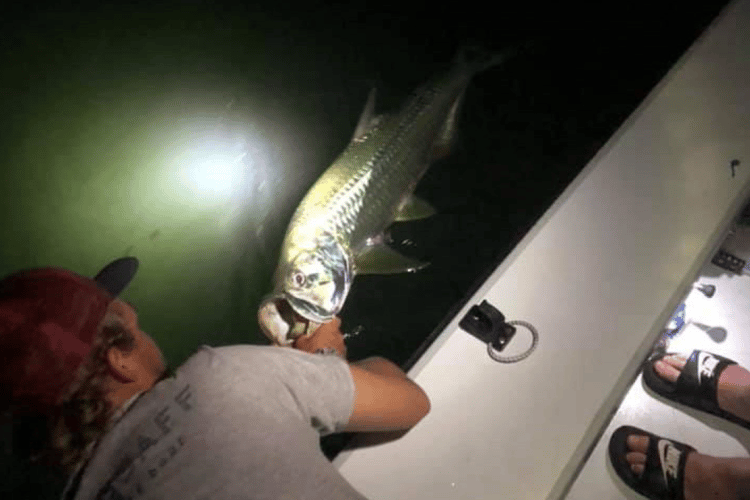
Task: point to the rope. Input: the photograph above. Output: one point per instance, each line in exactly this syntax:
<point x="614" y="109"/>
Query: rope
<point x="512" y="359"/>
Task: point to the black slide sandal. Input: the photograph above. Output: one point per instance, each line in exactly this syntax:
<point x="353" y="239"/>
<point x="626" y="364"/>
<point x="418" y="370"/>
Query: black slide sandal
<point x="663" y="477"/>
<point x="697" y="384"/>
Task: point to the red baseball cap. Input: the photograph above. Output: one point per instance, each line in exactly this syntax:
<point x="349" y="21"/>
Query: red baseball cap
<point x="48" y="320"/>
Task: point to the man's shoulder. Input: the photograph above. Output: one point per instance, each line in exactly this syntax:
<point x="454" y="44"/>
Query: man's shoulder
<point x="214" y="357"/>
<point x="251" y="357"/>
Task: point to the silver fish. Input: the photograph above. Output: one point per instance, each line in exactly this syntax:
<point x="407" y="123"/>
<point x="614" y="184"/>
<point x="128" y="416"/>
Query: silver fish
<point x="337" y="230"/>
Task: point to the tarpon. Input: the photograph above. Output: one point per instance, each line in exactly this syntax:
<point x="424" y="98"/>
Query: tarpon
<point x="337" y="230"/>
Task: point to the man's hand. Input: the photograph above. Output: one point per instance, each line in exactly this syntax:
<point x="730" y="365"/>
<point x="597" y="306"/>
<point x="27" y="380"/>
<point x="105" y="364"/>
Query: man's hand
<point x="326" y="335"/>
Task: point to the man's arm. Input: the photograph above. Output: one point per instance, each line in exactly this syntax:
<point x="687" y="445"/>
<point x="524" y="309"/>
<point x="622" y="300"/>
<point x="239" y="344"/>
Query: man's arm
<point x="385" y="398"/>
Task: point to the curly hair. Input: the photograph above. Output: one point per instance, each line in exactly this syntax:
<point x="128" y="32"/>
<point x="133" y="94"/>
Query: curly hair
<point x="75" y="426"/>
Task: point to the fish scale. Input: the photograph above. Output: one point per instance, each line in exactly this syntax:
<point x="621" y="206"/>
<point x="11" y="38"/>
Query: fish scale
<point x="346" y="216"/>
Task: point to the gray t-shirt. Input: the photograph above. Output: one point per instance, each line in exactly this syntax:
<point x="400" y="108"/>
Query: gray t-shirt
<point x="239" y="422"/>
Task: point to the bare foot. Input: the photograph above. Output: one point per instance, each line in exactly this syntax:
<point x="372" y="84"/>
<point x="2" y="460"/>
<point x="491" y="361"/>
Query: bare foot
<point x="733" y="390"/>
<point x="706" y="477"/>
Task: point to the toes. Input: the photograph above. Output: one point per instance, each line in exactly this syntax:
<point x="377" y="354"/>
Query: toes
<point x="667" y="370"/>
<point x="637" y="456"/>
<point x="637" y="469"/>
<point x="638" y="443"/>
<point x="669" y="367"/>
<point x="637" y="462"/>
<point x="676" y="360"/>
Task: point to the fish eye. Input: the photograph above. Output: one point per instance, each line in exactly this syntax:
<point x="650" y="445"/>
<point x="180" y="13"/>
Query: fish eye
<point x="298" y="278"/>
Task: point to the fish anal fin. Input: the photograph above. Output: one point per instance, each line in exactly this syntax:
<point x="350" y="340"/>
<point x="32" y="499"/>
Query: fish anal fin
<point x="414" y="208"/>
<point x="382" y="259"/>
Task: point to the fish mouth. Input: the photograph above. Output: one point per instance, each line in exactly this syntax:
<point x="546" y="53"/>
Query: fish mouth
<point x="307" y="310"/>
<point x="282" y="323"/>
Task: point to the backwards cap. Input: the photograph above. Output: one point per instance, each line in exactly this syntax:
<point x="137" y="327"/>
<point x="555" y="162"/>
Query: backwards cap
<point x="49" y="318"/>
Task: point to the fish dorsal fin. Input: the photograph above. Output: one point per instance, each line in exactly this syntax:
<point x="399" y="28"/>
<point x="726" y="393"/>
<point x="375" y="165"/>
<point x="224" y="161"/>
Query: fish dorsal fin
<point x="382" y="259"/>
<point x="366" y="118"/>
<point x="414" y="208"/>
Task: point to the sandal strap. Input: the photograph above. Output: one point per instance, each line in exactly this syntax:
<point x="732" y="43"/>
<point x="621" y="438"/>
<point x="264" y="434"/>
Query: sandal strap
<point x="700" y="377"/>
<point x="665" y="467"/>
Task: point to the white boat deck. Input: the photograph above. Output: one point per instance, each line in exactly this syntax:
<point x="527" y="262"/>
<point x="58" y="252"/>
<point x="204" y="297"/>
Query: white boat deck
<point x="598" y="276"/>
<point x="720" y="324"/>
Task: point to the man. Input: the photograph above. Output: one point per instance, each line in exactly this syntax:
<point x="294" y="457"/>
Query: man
<point x="231" y="422"/>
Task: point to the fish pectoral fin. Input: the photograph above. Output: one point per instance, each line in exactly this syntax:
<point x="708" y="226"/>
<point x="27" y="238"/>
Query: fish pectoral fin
<point x="414" y="208"/>
<point x="382" y="259"/>
<point x="367" y="118"/>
